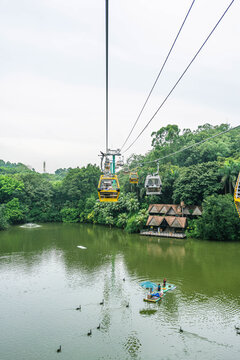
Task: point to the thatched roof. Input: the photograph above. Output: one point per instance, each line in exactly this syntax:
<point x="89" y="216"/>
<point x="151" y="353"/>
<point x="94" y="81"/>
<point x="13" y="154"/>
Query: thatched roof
<point x="179" y="222"/>
<point x="154" y="208"/>
<point x="154" y="220"/>
<point x="192" y="210"/>
<point x="172" y="221"/>
<point x="172" y="209"/>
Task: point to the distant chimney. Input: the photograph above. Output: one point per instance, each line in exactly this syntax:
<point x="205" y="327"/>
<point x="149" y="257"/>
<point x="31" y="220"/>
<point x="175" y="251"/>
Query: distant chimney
<point x="182" y="204"/>
<point x="44" y="166"/>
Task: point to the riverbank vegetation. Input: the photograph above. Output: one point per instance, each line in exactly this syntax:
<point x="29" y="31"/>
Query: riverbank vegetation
<point x="202" y="175"/>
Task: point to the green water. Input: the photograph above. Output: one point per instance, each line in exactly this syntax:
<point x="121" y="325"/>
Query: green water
<point x="44" y="277"/>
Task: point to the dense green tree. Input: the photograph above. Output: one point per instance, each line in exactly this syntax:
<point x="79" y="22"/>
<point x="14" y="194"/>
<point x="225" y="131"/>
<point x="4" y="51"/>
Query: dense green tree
<point x="15" y="212"/>
<point x="61" y="173"/>
<point x="56" y="201"/>
<point x="9" y="187"/>
<point x="164" y="144"/>
<point x="197" y="182"/>
<point x="37" y="196"/>
<point x="169" y="174"/>
<point x="3" y="218"/>
<point x="8" y="168"/>
<point x="229" y="172"/>
<point x="219" y="220"/>
<point x="122" y="220"/>
<point x="69" y="215"/>
<point x="165" y="136"/>
<point x="136" y="222"/>
<point x="70" y="195"/>
<point x="80" y="184"/>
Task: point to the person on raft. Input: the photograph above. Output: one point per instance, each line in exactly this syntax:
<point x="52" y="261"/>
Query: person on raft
<point x="159" y="287"/>
<point x="164" y="282"/>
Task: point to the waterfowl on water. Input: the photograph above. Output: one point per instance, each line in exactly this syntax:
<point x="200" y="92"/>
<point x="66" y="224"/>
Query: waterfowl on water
<point x="98" y="327"/>
<point x="59" y="349"/>
<point x="102" y="302"/>
<point x="79" y="308"/>
<point x="127" y="305"/>
<point x="89" y="333"/>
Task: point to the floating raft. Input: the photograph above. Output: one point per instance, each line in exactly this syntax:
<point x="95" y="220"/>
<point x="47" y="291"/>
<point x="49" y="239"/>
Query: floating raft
<point x="155" y="298"/>
<point x="168" y="287"/>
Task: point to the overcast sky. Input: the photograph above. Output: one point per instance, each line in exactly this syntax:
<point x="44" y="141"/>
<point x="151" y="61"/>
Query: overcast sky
<point x="52" y="74"/>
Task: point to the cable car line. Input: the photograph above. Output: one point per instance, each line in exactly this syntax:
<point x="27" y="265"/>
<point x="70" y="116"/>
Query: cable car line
<point x="196" y="144"/>
<point x="108" y="186"/>
<point x="186" y="148"/>
<point x="106" y="29"/>
<point x="153" y="183"/>
<point x="179" y="79"/>
<point x="163" y="65"/>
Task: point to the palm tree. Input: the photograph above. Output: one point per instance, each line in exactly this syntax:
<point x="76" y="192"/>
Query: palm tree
<point x="229" y="173"/>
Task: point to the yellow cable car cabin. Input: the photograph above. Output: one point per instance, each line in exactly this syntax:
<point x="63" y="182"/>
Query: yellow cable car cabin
<point x="108" y="188"/>
<point x="237" y="194"/>
<point x="133" y="178"/>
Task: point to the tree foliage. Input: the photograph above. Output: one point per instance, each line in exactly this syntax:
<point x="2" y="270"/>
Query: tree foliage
<point x="9" y="187"/>
<point x="15" y="212"/>
<point x="219" y="220"/>
<point x="3" y="218"/>
<point x="193" y="175"/>
<point x="196" y="182"/>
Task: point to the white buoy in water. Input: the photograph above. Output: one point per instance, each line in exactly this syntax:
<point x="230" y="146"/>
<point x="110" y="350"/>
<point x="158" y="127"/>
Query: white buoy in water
<point x="81" y="247"/>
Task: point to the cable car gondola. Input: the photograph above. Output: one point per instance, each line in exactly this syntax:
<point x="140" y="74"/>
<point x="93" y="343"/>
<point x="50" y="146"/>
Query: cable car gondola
<point x="237" y="194"/>
<point x="107" y="165"/>
<point x="120" y="162"/>
<point x="133" y="178"/>
<point x="153" y="184"/>
<point x="108" y="188"/>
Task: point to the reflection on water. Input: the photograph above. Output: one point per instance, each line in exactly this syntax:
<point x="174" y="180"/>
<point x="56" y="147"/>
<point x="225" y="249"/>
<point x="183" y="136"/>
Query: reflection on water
<point x="44" y="277"/>
<point x="133" y="345"/>
<point x="30" y="226"/>
<point x="147" y="312"/>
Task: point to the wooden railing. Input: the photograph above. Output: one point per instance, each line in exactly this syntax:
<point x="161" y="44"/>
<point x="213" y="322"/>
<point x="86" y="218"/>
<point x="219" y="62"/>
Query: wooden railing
<point x="163" y="234"/>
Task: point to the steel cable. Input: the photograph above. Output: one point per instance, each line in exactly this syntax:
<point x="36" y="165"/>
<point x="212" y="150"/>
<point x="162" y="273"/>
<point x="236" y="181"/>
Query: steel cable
<point x="164" y="63"/>
<point x="179" y="79"/>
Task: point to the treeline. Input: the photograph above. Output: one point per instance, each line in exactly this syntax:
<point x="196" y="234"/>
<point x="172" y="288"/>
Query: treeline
<point x="202" y="175"/>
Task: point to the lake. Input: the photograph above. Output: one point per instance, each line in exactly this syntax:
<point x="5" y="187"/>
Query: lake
<point x="44" y="277"/>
